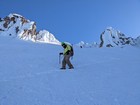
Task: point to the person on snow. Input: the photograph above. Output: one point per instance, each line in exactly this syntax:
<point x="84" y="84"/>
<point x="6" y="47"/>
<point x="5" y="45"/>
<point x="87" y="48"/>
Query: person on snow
<point x="68" y="52"/>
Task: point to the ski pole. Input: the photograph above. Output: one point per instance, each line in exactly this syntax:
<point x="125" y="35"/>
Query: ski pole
<point x="59" y="58"/>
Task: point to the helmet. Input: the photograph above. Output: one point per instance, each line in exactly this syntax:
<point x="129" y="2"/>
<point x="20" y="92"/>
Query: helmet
<point x="62" y="43"/>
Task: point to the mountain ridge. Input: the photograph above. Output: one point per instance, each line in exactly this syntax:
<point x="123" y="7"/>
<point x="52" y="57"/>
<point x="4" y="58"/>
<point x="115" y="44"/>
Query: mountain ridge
<point x="15" y="25"/>
<point x="111" y="37"/>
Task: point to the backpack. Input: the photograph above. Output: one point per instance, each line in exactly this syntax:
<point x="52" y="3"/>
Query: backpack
<point x="72" y="51"/>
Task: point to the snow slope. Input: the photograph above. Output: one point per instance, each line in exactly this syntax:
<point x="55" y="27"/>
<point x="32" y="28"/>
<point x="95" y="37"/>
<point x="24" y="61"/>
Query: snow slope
<point x="30" y="75"/>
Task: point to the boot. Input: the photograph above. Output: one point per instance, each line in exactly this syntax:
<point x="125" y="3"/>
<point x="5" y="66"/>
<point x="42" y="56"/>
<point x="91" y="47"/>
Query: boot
<point x="63" y="68"/>
<point x="71" y="67"/>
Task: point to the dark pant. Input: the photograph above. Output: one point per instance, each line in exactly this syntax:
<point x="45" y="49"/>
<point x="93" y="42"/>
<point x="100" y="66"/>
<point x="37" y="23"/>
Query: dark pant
<point x="66" y="60"/>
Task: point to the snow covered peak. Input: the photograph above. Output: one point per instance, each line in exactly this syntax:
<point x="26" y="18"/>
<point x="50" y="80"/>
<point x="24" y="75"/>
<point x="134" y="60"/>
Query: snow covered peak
<point x="15" y="25"/>
<point x="82" y="44"/>
<point x="114" y="38"/>
<point x="14" y="15"/>
<point x="46" y="37"/>
<point x="111" y="37"/>
<point x="110" y="28"/>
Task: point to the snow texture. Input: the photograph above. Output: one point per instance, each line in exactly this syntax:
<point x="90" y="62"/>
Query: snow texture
<point x="30" y="75"/>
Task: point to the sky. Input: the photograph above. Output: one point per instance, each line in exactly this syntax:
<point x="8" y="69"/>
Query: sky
<point x="78" y="20"/>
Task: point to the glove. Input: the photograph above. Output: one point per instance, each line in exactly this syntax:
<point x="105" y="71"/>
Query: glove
<point x="61" y="53"/>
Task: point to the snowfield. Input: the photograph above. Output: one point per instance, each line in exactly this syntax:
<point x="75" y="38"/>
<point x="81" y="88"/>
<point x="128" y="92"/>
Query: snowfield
<point x="30" y="75"/>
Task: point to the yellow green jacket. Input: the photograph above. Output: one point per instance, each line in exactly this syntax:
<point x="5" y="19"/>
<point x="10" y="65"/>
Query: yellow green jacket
<point x="68" y="48"/>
